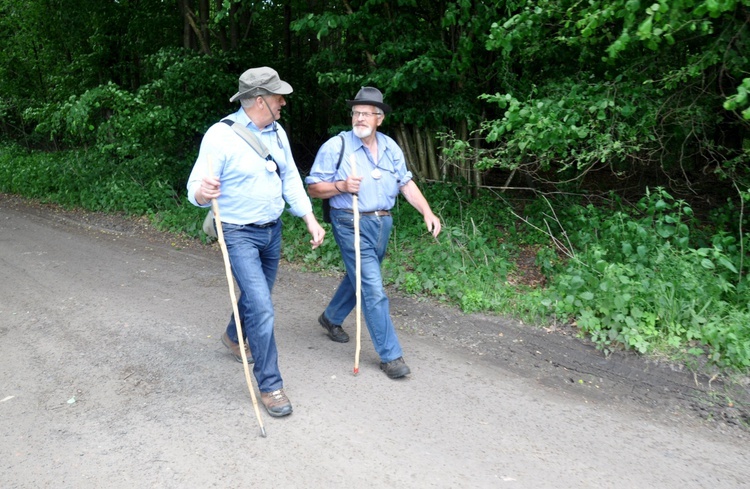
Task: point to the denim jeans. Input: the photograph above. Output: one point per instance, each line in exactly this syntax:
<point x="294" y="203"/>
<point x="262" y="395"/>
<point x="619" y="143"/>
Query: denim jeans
<point x="374" y="233"/>
<point x="254" y="254"/>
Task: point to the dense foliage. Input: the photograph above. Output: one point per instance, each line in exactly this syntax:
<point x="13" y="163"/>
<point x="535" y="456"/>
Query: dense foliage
<point x="610" y="138"/>
<point x="640" y="87"/>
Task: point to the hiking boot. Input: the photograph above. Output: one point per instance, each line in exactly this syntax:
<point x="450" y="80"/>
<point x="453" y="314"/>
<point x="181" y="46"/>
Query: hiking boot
<point x="334" y="330"/>
<point x="235" y="349"/>
<point x="395" y="369"/>
<point x="276" y="403"/>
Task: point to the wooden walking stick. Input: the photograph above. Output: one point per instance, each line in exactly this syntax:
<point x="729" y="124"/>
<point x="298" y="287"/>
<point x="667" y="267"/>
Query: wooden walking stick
<point x="233" y="297"/>
<point x="358" y="266"/>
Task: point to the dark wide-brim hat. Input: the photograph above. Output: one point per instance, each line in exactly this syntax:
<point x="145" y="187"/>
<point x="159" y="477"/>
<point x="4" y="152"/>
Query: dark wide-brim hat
<point x="369" y="96"/>
<point x="261" y="81"/>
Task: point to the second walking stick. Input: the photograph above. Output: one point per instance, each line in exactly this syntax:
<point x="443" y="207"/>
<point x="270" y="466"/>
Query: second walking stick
<point x="357" y="266"/>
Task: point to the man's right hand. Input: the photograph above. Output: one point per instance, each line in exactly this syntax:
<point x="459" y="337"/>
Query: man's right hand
<point x="351" y="184"/>
<point x="209" y="189"/>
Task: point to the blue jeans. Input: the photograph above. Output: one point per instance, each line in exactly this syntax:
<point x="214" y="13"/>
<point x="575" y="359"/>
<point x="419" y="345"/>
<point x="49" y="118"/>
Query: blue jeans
<point x="254" y="254"/>
<point x="374" y="233"/>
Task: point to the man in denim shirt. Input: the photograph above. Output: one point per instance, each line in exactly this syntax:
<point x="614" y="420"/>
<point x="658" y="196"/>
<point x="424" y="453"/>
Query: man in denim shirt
<point x="251" y="193"/>
<point x="380" y="175"/>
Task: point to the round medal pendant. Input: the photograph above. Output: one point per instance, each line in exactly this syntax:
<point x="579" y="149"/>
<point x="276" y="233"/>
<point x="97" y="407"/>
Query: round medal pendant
<point x="271" y="166"/>
<point x="376" y="174"/>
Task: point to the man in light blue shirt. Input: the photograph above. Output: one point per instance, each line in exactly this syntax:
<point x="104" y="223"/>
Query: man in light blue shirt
<point x="252" y="193"/>
<point x="379" y="175"/>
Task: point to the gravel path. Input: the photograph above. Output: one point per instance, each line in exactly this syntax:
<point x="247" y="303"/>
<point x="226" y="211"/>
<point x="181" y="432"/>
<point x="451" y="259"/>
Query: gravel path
<point x="112" y="375"/>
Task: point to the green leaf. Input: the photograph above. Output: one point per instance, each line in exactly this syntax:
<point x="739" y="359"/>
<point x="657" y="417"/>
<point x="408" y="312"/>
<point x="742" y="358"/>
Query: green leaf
<point x="727" y="264"/>
<point x="644" y="30"/>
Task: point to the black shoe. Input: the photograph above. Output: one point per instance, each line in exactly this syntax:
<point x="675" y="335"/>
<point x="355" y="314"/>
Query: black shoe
<point x="395" y="369"/>
<point x="334" y="330"/>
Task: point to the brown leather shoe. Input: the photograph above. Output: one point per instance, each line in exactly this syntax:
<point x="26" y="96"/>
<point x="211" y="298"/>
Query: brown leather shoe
<point x="235" y="349"/>
<point x="276" y="403"/>
<point x="335" y="332"/>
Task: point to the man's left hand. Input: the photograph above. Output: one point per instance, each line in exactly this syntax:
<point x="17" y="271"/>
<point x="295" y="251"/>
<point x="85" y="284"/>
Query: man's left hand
<point x="315" y="229"/>
<point x="433" y="224"/>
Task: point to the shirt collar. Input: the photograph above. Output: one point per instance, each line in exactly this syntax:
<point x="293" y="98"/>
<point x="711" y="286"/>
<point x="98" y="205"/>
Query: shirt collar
<point x="382" y="143"/>
<point x="242" y="118"/>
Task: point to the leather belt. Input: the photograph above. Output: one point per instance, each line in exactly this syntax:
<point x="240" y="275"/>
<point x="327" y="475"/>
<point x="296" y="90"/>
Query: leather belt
<point x="264" y="225"/>
<point x="371" y="213"/>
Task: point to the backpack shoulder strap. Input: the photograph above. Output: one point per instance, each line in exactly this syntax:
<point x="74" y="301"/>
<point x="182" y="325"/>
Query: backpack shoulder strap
<point x="253" y="141"/>
<point x="341" y="154"/>
<point x="249" y="138"/>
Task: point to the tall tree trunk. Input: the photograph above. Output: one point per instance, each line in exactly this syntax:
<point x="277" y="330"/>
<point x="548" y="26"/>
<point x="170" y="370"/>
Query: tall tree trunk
<point x="421" y="153"/>
<point x="205" y="38"/>
<point x="246" y="23"/>
<point x="221" y="31"/>
<point x="234" y="27"/>
<point x="477" y="181"/>
<point x="370" y="57"/>
<point x="402" y="137"/>
<point x="135" y="77"/>
<point x="198" y="30"/>
<point x="431" y="156"/>
<point x="442" y="163"/>
<point x="463" y="135"/>
<point x="185" y="10"/>
<point x="287" y="31"/>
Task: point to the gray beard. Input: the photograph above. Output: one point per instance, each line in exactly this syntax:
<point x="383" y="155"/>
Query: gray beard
<point x="361" y="132"/>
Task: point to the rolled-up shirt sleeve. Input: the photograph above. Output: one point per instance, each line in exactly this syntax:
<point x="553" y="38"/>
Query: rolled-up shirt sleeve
<point x="324" y="166"/>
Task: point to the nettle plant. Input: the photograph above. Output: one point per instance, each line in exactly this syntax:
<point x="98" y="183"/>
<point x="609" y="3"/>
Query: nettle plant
<point x="467" y="264"/>
<point x="636" y="282"/>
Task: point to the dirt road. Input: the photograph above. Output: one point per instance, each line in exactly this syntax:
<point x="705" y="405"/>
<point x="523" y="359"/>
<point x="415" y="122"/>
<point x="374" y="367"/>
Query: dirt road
<point x="112" y="375"/>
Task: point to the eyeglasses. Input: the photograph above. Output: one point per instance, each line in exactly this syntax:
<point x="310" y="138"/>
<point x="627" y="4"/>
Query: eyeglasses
<point x="366" y="115"/>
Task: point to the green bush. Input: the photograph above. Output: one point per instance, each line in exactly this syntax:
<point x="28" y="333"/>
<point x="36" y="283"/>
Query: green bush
<point x="571" y="125"/>
<point x="82" y="179"/>
<point x="636" y="281"/>
<point x="150" y="133"/>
